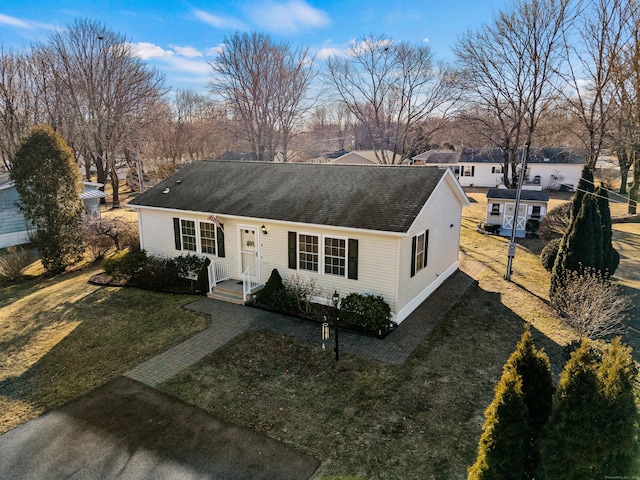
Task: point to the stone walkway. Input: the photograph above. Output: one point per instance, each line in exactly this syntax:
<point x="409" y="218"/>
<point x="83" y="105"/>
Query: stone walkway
<point x="229" y="320"/>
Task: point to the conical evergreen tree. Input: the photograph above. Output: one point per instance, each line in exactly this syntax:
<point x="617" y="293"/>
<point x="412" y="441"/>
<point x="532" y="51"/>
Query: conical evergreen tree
<point x="585" y="186"/>
<point x="620" y="431"/>
<point x="502" y="447"/>
<point x="572" y="441"/>
<point x="592" y="432"/>
<point x="581" y="247"/>
<point x="537" y="388"/>
<point x="610" y="256"/>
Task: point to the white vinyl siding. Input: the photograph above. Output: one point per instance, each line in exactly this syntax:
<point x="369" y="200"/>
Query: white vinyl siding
<point x="444" y="240"/>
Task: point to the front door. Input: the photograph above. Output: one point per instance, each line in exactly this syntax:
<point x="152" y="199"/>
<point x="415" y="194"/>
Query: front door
<point x="249" y="249"/>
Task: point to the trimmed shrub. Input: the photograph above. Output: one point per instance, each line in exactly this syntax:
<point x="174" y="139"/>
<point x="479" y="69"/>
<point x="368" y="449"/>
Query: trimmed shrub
<point x="549" y="253"/>
<point x="555" y="222"/>
<point x="274" y="295"/>
<point x="125" y="265"/>
<point x="367" y="312"/>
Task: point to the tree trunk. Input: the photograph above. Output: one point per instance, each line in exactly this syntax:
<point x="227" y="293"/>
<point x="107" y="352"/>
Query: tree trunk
<point x="115" y="187"/>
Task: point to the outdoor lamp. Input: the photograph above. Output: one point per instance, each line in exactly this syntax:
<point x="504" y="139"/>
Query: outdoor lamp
<point x="263" y="229"/>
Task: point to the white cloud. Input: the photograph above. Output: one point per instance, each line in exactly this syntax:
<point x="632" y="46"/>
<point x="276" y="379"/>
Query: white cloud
<point x="181" y="64"/>
<point x="188" y="52"/>
<point x="290" y="17"/>
<point x="219" y="21"/>
<point x="425" y="39"/>
<point x="146" y="51"/>
<point x="14" y="22"/>
<point x="213" y="51"/>
<point x="327" y="52"/>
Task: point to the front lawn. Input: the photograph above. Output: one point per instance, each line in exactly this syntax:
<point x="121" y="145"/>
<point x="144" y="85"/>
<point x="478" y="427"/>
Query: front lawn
<point x="61" y="337"/>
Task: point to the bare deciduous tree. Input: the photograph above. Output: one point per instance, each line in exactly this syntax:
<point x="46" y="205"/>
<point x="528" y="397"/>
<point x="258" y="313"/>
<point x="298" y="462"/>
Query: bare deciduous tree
<point x="390" y="87"/>
<point x="18" y="103"/>
<point x="509" y="72"/>
<point x="265" y="84"/>
<point x="108" y="91"/>
<point x="591" y="305"/>
<point x="591" y="50"/>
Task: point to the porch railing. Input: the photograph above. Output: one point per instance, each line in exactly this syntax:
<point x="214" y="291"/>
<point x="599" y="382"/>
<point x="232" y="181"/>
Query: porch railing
<point x="219" y="271"/>
<point x="250" y="280"/>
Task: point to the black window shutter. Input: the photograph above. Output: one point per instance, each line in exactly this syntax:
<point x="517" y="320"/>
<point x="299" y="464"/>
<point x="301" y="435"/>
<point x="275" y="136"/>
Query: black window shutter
<point x="426" y="247"/>
<point x="293" y="241"/>
<point x="176" y="233"/>
<point x="353" y="259"/>
<point x="473" y="170"/>
<point x="220" y="245"/>
<point x="414" y="241"/>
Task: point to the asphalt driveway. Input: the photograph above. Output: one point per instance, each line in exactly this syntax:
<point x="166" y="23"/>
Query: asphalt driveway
<point x="127" y="430"/>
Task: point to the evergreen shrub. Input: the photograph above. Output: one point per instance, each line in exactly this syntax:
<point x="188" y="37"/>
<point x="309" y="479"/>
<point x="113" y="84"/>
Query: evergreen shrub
<point x="367" y="312"/>
<point x="549" y="253"/>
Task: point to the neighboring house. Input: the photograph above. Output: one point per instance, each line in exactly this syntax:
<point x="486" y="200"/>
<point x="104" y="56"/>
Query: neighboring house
<point x="501" y="205"/>
<point x="91" y="198"/>
<point x="547" y="168"/>
<point x="385" y="230"/>
<point x="14" y="229"/>
<point x="362" y="157"/>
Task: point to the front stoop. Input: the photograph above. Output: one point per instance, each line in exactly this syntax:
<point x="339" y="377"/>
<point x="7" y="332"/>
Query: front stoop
<point x="229" y="291"/>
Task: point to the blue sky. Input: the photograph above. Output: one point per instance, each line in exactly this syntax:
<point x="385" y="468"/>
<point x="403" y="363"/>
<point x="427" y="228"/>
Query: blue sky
<point x="179" y="36"/>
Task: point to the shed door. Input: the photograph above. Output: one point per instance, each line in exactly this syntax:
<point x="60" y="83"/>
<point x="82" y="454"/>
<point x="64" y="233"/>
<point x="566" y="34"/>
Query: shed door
<point x="509" y="210"/>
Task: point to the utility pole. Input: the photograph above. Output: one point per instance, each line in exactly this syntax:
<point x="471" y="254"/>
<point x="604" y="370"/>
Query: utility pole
<point x="511" y="252"/>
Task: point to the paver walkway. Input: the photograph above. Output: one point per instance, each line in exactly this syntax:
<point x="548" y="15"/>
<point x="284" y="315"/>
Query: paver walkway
<point x="229" y="320"/>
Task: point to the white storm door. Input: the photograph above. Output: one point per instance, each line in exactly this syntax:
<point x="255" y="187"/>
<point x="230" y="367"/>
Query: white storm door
<point x="248" y="249"/>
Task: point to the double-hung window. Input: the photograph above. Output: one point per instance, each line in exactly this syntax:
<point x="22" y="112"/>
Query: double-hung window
<point x="326" y="255"/>
<point x="188" y="229"/>
<point x="308" y="256"/>
<point x="419" y="252"/>
<point x="335" y="256"/>
<point x="205" y="237"/>
<point x="208" y="238"/>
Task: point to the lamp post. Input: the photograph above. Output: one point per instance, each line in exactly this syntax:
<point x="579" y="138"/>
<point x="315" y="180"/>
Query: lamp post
<point x="336" y="299"/>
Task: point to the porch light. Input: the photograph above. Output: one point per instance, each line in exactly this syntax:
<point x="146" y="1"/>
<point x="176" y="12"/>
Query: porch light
<point x="336" y="300"/>
<point x="263" y="229"/>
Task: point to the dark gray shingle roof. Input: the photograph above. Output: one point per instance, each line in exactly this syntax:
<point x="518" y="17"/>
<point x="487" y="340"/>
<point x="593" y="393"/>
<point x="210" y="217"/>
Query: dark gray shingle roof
<point x="510" y="194"/>
<point x="536" y="155"/>
<point x="384" y="198"/>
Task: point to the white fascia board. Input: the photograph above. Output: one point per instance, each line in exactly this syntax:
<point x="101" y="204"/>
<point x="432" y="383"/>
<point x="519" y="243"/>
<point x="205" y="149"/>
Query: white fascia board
<point x="270" y="220"/>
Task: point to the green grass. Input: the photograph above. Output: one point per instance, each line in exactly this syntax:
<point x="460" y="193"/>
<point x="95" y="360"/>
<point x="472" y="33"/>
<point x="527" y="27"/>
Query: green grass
<point x="61" y="337"/>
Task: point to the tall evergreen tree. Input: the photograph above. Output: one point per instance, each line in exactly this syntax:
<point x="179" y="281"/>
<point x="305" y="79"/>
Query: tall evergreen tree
<point x="593" y="428"/>
<point x="537" y="388"/>
<point x="581" y="247"/>
<point x="585" y="186"/>
<point x="502" y="448"/>
<point x="48" y="183"/>
<point x="572" y="442"/>
<point x="610" y="256"/>
<point x="618" y="372"/>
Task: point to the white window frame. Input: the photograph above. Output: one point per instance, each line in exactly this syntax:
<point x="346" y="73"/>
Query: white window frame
<point x="345" y="258"/>
<point x="183" y="235"/>
<point x="318" y="254"/>
<point x="215" y="238"/>
<point x="421" y="252"/>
